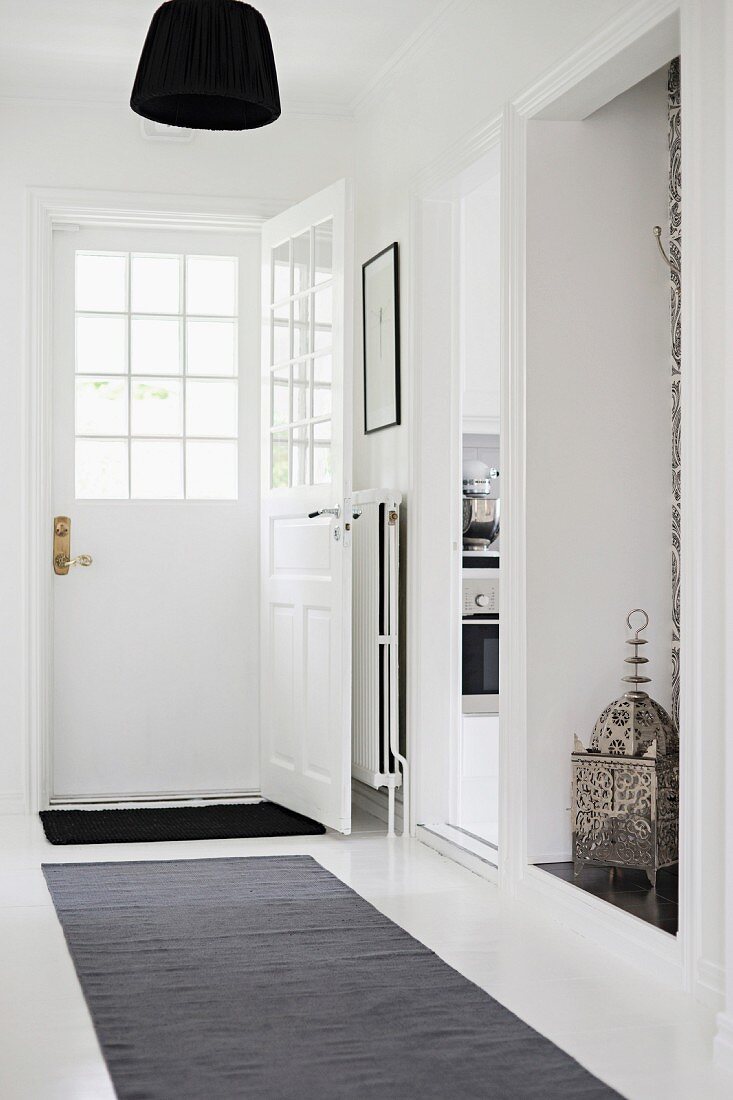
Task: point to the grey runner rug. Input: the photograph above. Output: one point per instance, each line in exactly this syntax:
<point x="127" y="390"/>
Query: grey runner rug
<point x="215" y="979"/>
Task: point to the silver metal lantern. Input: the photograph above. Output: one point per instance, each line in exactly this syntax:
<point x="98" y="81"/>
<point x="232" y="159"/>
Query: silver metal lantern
<point x="625" y="801"/>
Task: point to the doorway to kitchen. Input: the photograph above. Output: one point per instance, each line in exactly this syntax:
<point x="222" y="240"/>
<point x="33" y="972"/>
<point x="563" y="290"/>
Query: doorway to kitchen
<point x="456" y="696"/>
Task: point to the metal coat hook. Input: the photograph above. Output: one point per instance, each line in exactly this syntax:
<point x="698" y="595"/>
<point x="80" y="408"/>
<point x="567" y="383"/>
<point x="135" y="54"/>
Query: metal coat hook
<point x="658" y="234"/>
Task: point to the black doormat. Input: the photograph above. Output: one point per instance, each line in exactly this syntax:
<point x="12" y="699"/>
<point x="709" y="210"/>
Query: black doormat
<point x="129" y="826"/>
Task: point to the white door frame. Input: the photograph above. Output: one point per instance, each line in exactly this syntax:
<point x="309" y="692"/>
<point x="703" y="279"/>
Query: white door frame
<point x="601" y="68"/>
<point x="48" y="210"/>
<point x="434" y="203"/>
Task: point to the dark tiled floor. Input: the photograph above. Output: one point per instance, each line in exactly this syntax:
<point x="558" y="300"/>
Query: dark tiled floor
<point x="629" y="890"/>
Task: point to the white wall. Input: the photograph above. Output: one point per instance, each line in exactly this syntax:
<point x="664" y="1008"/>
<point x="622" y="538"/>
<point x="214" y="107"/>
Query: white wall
<point x="724" y="44"/>
<point x="452" y="83"/>
<point x="64" y="145"/>
<point x="598" y="430"/>
<point x="461" y="77"/>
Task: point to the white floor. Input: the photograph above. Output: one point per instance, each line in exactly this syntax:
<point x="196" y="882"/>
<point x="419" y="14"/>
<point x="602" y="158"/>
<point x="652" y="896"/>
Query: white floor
<point x="638" y="1037"/>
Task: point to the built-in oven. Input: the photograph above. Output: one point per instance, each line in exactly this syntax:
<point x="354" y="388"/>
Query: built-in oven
<point x="480" y="637"/>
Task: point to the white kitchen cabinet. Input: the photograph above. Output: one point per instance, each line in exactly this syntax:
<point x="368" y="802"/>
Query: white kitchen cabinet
<point x="479" y="778"/>
<point x="480" y="308"/>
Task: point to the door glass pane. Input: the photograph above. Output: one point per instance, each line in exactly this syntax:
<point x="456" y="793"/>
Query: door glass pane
<point x="301" y="326"/>
<point x="211" y="285"/>
<point x="156" y="284"/>
<point x="300" y="456"/>
<point x="101" y="282"/>
<point x="281" y="272"/>
<point x="211" y="347"/>
<point x="281" y="397"/>
<point x="156" y="345"/>
<point x="323" y="369"/>
<point x="211" y="408"/>
<point x="321" y="464"/>
<point x="323" y="318"/>
<point x="322" y="401"/>
<point x="157" y="469"/>
<point x="211" y="469"/>
<point x="129" y="380"/>
<point x="281" y="338"/>
<point x="156" y="407"/>
<point x="324" y="251"/>
<point x="280" y="467"/>
<point x="301" y="403"/>
<point x="101" y="406"/>
<point x="101" y="469"/>
<point x="322" y="453"/>
<point x="302" y="262"/>
<point x="101" y="344"/>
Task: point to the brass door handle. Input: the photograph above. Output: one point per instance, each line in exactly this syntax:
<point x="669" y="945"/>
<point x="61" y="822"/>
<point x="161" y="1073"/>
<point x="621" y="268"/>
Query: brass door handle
<point x="62" y="561"/>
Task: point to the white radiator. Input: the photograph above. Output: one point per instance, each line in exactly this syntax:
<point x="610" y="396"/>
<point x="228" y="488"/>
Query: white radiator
<point x="375" y="753"/>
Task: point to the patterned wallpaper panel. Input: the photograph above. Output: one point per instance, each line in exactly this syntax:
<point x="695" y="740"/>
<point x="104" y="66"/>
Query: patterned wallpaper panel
<point x="675" y="255"/>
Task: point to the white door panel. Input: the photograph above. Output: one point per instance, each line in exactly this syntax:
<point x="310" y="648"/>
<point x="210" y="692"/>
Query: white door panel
<point x="156" y="670"/>
<point x="306" y="466"/>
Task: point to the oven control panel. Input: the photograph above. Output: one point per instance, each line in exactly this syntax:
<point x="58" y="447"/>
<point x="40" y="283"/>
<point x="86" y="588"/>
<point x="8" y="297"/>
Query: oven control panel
<point x="480" y="594"/>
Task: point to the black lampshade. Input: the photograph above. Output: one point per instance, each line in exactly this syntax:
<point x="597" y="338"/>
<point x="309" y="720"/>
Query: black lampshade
<point x="207" y="65"/>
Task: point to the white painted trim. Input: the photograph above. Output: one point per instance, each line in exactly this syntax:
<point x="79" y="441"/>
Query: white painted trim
<point x="427" y="835"/>
<point x="623" y="34"/>
<point x="160" y="801"/>
<point x="723" y="1042"/>
<point x="516" y="876"/>
<point x="512" y="463"/>
<point x="710" y="984"/>
<point x="638" y="943"/>
<point x="48" y="209"/>
<point x="411" y="380"/>
<point x="465" y="151"/>
<point x="215" y="794"/>
<point x="628" y="935"/>
<point x="405" y="53"/>
<point x="128" y="209"/>
<point x="375" y="802"/>
<point x="481" y="425"/>
<point x="563" y="856"/>
<point x="462" y="154"/>
<point x="455" y="459"/>
<point x="693" y="475"/>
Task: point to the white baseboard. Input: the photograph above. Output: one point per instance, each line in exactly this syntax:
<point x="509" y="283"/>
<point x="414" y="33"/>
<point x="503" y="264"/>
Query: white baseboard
<point x="723" y="1042"/>
<point x="551" y="857"/>
<point x="143" y="798"/>
<point x="632" y="939"/>
<point x="458" y="854"/>
<point x="376" y="802"/>
<point x="13" y="802"/>
<point x="710" y="984"/>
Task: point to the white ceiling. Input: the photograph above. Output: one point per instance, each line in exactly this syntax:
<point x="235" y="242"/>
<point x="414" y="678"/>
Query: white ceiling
<point x="328" y="52"/>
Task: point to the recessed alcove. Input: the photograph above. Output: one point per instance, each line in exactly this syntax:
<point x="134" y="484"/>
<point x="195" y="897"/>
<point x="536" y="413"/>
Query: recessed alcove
<point x="599" y="444"/>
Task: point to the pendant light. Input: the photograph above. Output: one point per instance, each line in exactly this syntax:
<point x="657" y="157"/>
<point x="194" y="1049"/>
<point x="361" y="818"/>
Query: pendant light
<point x="207" y="65"/>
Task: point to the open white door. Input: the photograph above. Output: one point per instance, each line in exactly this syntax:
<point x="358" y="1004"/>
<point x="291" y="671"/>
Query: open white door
<point x="307" y="283"/>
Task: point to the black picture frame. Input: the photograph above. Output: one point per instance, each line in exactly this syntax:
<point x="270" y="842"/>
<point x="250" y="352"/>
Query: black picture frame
<point x="387" y="287"/>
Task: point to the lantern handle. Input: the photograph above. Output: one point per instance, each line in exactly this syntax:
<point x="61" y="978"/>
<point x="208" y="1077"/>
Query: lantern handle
<point x="657" y="231"/>
<point x="637" y="611"/>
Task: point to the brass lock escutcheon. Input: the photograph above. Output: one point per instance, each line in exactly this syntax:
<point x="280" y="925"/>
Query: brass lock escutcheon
<point x="62" y="560"/>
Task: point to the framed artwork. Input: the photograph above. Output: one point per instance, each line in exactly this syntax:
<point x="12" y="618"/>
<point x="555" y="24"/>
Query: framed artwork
<point x="381" y="320"/>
